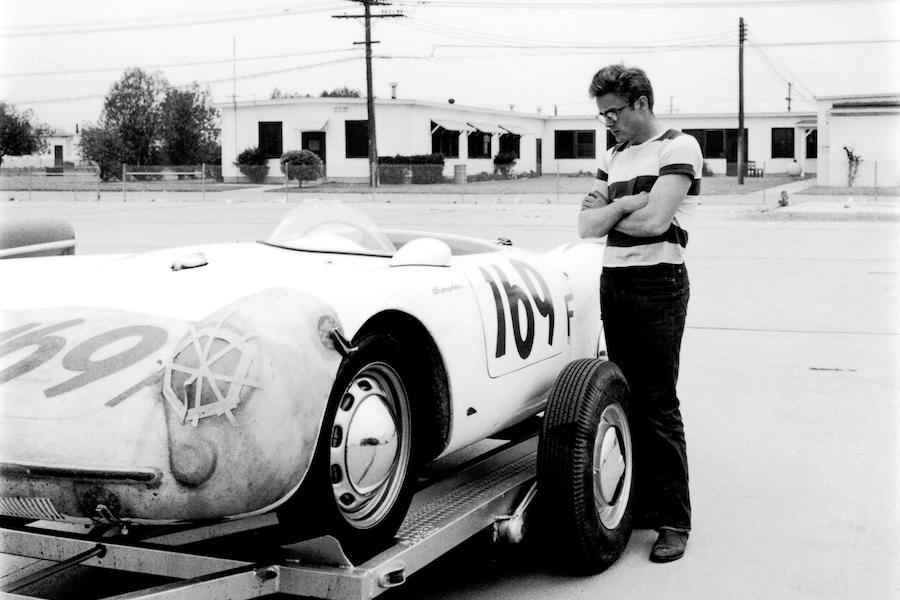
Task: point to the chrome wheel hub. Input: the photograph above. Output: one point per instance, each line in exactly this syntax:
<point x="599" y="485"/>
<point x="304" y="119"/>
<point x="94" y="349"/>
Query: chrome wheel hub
<point x="612" y="466"/>
<point x="370" y="446"/>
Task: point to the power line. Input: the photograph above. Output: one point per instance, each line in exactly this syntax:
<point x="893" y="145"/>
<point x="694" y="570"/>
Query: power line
<point x="704" y="5"/>
<point x="176" y="65"/>
<point x="186" y="21"/>
<point x="207" y="82"/>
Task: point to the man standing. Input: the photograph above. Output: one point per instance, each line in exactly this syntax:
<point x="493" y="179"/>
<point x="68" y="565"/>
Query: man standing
<point x="636" y="201"/>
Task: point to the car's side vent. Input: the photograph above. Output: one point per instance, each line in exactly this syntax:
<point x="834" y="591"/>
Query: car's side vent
<point x="29" y="508"/>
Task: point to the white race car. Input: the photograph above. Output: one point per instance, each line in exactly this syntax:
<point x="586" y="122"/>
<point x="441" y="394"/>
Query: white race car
<point x="311" y="373"/>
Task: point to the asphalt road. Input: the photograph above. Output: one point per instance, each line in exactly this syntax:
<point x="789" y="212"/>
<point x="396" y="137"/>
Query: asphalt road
<point x="790" y="390"/>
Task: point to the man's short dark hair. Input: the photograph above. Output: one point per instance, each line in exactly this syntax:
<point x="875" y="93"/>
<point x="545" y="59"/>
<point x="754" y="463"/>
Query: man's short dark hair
<point x="628" y="82"/>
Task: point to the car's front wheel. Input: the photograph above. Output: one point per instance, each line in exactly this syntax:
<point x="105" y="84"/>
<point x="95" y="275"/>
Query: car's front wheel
<point x="360" y="484"/>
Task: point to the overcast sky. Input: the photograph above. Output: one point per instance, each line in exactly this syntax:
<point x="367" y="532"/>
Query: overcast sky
<point x="60" y="57"/>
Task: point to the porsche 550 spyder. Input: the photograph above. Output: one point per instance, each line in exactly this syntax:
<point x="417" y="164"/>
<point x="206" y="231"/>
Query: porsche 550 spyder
<point x="311" y="373"/>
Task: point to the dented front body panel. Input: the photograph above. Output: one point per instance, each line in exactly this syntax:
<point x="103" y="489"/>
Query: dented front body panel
<point x="165" y="420"/>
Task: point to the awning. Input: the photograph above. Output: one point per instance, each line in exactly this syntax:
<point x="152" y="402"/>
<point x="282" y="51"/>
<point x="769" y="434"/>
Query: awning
<point x="806" y="123"/>
<point x="312" y="125"/>
<point x="515" y="129"/>
<point x="486" y="128"/>
<point x="451" y="125"/>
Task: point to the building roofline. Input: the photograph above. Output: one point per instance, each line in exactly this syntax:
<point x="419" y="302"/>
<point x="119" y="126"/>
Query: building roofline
<point x="381" y="101"/>
<point x="496" y="111"/>
<point x="860" y="96"/>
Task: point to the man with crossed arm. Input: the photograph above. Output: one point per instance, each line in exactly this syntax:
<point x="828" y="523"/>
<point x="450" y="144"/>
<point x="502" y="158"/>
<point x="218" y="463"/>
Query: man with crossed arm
<point x="636" y="202"/>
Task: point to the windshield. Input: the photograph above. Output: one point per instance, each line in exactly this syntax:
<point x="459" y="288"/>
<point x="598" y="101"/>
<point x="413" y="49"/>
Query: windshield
<point x="330" y="227"/>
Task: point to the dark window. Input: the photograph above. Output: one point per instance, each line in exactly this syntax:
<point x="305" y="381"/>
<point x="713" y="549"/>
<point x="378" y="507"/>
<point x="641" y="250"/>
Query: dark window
<point x="270" y="139"/>
<point x="574" y="144"/>
<point x="782" y="142"/>
<point x="610" y="139"/>
<point x="712" y="141"/>
<point x="510" y="142"/>
<point x="356" y="139"/>
<point x="479" y="144"/>
<point x="715" y="143"/>
<point x="812" y="144"/>
<point x="444" y="141"/>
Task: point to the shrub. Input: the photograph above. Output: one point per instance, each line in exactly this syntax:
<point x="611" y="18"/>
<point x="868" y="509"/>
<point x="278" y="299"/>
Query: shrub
<point x="252" y="164"/>
<point x="302" y="165"/>
<point x="504" y="163"/>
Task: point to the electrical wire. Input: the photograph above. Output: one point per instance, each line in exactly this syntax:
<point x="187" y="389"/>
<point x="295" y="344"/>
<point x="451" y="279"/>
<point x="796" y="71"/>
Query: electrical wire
<point x="190" y="20"/>
<point x="619" y="5"/>
<point x="177" y="65"/>
<point x="206" y="82"/>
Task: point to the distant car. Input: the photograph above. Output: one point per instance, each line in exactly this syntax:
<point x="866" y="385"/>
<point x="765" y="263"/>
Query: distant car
<point x="310" y="373"/>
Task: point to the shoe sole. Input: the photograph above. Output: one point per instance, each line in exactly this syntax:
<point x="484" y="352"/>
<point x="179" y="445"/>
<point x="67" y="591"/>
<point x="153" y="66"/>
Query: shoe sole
<point x="665" y="559"/>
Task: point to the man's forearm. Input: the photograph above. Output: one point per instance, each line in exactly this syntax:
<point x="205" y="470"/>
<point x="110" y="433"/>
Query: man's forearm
<point x="597" y="222"/>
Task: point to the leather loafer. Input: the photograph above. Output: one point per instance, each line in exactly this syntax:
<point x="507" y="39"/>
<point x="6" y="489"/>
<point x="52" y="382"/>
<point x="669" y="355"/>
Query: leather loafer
<point x="669" y="546"/>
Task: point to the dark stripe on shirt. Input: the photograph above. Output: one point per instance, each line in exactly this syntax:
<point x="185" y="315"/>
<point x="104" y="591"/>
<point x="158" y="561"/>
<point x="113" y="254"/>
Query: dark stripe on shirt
<point x="644" y="183"/>
<point x="602" y="175"/>
<point x="674" y="234"/>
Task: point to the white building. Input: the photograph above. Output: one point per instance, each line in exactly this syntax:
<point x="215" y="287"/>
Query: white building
<point x="62" y="150"/>
<point x="867" y="125"/>
<point x="336" y="129"/>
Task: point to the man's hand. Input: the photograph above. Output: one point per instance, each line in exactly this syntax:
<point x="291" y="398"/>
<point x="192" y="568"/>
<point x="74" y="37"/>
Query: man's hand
<point x="590" y="201"/>
<point x="633" y="203"/>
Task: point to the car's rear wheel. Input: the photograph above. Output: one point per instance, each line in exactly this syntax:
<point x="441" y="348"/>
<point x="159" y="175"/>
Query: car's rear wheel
<point x="360" y="484"/>
<point x="586" y="465"/>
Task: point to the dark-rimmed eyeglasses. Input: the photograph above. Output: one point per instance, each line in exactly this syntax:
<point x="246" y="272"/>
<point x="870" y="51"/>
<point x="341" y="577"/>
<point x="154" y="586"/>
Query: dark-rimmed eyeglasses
<point x="611" y="115"/>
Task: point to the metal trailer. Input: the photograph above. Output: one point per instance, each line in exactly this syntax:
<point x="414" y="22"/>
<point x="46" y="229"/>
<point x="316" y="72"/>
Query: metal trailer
<point x="489" y="490"/>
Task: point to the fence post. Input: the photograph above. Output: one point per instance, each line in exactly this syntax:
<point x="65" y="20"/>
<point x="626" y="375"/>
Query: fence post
<point x="876" y="181"/>
<point x="557" y="182"/>
<point x="124" y="190"/>
<point x="97" y="175"/>
<point x="203" y="180"/>
<point x="28" y="170"/>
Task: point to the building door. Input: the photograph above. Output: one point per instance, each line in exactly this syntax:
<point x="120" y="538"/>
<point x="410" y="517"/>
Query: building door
<point x="314" y="141"/>
<point x="731" y="150"/>
<point x="537" y="157"/>
<point x="57" y="156"/>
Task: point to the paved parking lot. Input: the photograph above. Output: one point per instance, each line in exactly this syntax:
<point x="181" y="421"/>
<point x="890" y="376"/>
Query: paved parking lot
<point x="790" y="391"/>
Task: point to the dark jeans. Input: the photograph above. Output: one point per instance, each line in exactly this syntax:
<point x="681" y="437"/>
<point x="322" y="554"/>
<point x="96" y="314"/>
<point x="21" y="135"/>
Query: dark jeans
<point x="644" y="310"/>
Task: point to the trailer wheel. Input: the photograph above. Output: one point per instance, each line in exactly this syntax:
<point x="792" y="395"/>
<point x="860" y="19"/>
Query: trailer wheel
<point x="585" y="466"/>
<point x="360" y="484"/>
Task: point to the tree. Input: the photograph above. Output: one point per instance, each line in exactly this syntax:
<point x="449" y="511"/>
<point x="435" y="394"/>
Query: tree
<point x="188" y="127"/>
<point x="302" y="165"/>
<point x="343" y="92"/>
<point x="103" y="148"/>
<point x="145" y="121"/>
<point x="132" y="112"/>
<point x="20" y="133"/>
<point x="279" y="95"/>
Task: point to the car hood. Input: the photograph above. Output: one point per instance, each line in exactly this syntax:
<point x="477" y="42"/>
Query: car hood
<point x="182" y="283"/>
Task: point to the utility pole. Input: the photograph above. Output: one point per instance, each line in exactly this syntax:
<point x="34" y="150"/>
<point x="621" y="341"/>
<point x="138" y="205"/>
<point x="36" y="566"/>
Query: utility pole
<point x="370" y="99"/>
<point x="741" y="159"/>
<point x="234" y="91"/>
<point x="788" y="98"/>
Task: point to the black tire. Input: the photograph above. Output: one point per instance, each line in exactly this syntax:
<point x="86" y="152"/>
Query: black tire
<point x="585" y="507"/>
<point x="363" y="502"/>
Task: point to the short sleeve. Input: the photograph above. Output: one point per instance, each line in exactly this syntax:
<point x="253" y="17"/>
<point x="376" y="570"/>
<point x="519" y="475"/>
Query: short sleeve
<point x="681" y="155"/>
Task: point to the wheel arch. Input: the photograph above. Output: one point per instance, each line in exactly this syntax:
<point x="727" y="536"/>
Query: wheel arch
<point x="430" y="376"/>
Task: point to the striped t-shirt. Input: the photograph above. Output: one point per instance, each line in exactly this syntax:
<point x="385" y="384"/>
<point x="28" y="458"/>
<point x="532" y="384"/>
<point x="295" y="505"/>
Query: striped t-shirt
<point x="633" y="168"/>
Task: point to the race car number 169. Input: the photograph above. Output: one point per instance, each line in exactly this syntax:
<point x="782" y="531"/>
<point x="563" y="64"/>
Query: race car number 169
<point x="523" y="311"/>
